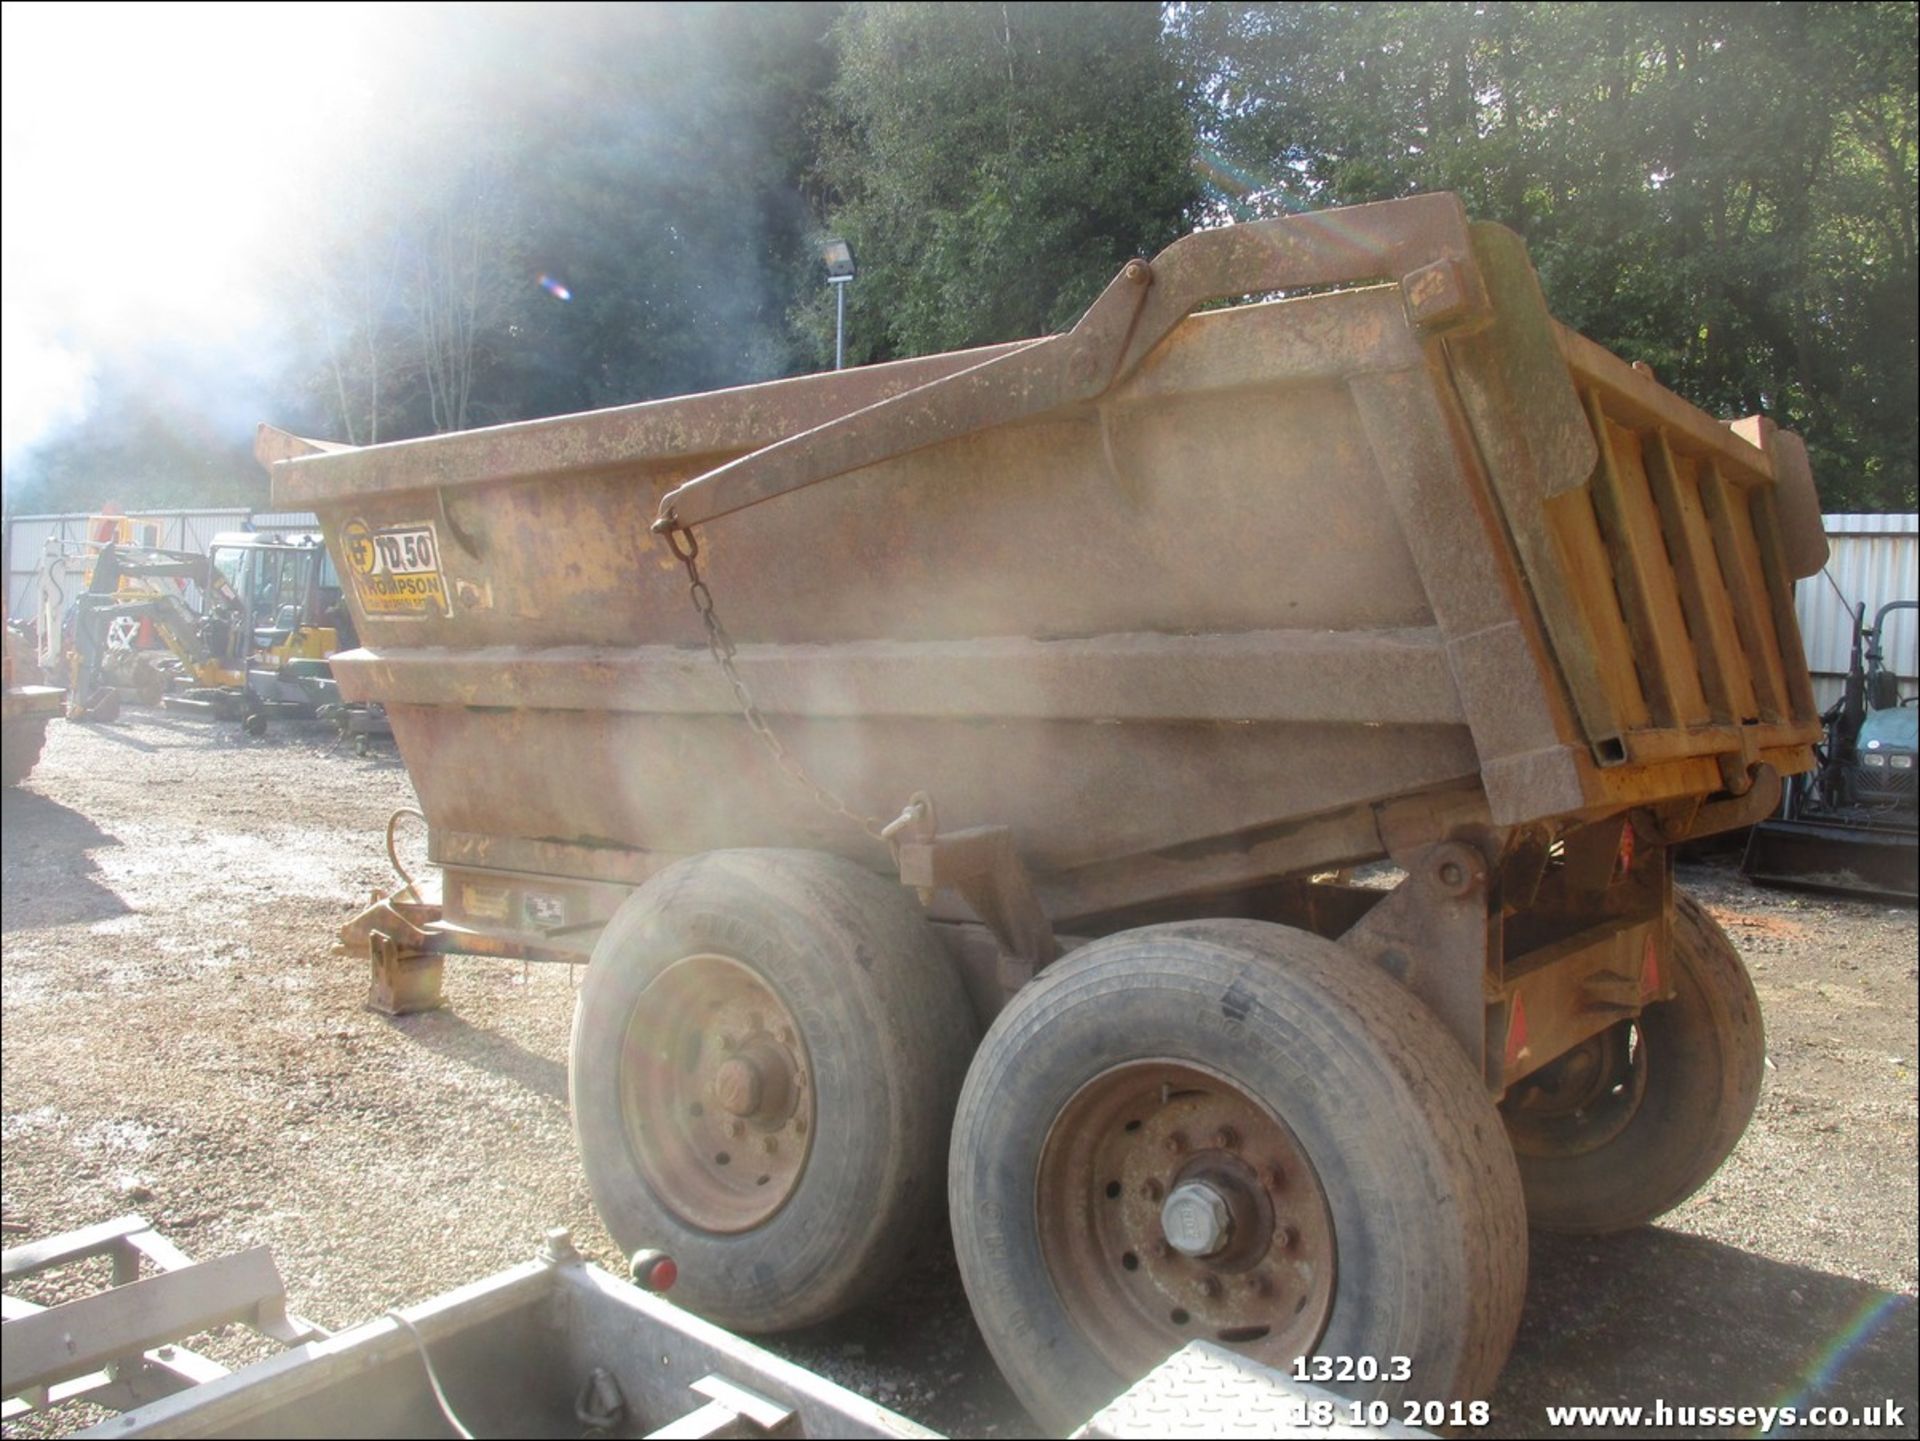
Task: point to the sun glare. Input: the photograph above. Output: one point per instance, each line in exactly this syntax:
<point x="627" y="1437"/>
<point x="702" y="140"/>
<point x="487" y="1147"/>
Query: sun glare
<point x="144" y="147"/>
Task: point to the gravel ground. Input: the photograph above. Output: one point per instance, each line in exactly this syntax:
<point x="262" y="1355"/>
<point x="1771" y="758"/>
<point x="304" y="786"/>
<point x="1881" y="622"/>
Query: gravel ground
<point x="181" y="1040"/>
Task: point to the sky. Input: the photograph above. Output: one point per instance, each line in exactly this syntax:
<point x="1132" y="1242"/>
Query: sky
<point x="142" y="151"/>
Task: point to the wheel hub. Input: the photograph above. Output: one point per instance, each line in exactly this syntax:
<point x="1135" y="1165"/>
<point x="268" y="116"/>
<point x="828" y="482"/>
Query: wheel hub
<point x="737" y="1086"/>
<point x="715" y="1089"/>
<point x="757" y="1082"/>
<point x="1579" y="1102"/>
<point x="1196" y="1219"/>
<point x="1175" y="1206"/>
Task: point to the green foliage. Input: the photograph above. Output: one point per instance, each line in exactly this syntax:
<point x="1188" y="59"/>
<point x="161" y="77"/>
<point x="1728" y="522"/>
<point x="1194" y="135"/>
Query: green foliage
<point x="142" y="450"/>
<point x="664" y="170"/>
<point x="654" y="173"/>
<point x="1723" y="190"/>
<point x="1726" y="191"/>
<point x="993" y="165"/>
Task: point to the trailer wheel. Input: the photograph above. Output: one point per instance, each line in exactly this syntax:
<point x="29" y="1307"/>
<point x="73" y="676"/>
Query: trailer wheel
<point x="22" y="742"/>
<point x="1235" y="1132"/>
<point x="766" y="1055"/>
<point x="1628" y="1125"/>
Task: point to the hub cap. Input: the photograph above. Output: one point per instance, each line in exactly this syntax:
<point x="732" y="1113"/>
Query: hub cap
<point x="1173" y="1206"/>
<point x="717" y="1094"/>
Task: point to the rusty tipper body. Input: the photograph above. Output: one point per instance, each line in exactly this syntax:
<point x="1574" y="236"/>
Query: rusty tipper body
<point x="1061" y="682"/>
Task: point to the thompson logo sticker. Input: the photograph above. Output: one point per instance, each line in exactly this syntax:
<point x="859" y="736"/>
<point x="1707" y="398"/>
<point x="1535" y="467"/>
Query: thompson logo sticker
<point x="396" y="571"/>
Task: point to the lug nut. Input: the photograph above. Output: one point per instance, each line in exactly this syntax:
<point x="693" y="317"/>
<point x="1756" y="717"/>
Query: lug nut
<point x="736" y="1129"/>
<point x="769" y="1144"/>
<point x="1272" y="1178"/>
<point x="799" y="1125"/>
<point x="1175" y="1143"/>
<point x="1210" y="1286"/>
<point x="1226" y="1138"/>
<point x="1162" y="1250"/>
<point x="1260" y="1285"/>
<point x="1151" y="1189"/>
<point x="1286" y="1237"/>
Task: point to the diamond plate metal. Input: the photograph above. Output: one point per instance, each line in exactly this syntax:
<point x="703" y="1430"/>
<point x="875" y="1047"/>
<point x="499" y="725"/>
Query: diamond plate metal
<point x="1205" y="1391"/>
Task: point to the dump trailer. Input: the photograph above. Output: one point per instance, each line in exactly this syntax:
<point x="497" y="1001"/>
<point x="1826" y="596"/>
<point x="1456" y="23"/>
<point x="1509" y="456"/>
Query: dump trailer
<point x="1053" y="690"/>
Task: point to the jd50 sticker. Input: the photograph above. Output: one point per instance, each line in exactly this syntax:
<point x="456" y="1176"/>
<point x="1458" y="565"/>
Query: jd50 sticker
<point x="396" y="570"/>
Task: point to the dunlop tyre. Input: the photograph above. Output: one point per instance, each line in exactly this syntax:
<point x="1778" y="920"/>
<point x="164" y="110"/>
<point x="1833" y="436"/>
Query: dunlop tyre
<point x="887" y="1029"/>
<point x="1426" y="1206"/>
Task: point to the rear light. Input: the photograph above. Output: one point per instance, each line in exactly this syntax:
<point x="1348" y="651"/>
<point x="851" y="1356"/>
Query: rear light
<point x="653" y="1270"/>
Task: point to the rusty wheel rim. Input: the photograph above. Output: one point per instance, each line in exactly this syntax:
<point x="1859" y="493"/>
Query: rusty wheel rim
<point x="717" y="1094"/>
<point x="1174" y="1207"/>
<point x="1580" y="1101"/>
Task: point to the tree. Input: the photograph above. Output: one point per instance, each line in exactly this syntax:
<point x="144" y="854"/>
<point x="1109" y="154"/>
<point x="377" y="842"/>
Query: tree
<point x="1722" y="190"/>
<point x="668" y="201"/>
<point x="138" y="452"/>
<point x="571" y="206"/>
<point x="993" y="166"/>
<point x="338" y="295"/>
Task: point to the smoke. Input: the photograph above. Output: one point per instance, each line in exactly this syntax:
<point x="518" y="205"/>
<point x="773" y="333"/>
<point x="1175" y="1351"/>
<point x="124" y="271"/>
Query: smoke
<point x="339" y="219"/>
<point x="147" y="151"/>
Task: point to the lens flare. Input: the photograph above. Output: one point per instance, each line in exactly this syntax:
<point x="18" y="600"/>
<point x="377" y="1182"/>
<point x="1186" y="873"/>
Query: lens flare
<point x="554" y="287"/>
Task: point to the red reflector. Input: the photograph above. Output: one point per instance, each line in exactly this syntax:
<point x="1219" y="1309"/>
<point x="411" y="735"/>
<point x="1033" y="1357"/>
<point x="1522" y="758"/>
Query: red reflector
<point x="1623" y="860"/>
<point x="653" y="1270"/>
<point x="1516" y="1032"/>
<point x="1650" y="969"/>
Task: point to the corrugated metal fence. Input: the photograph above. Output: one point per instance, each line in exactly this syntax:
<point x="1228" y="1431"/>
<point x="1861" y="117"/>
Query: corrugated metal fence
<point x="193" y="530"/>
<point x="1876" y="558"/>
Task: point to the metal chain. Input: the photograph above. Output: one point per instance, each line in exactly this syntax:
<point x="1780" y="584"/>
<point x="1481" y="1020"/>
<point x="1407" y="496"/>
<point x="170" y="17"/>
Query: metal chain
<point x="686" y="549"/>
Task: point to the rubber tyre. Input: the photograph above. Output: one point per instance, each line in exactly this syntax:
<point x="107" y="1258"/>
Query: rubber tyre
<point x="20" y="747"/>
<point x="149" y="682"/>
<point x="1704" y="1051"/>
<point x="889" y="1032"/>
<point x="1429" y="1224"/>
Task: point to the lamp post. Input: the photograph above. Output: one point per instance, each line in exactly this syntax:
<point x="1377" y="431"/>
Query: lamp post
<point x="838" y="256"/>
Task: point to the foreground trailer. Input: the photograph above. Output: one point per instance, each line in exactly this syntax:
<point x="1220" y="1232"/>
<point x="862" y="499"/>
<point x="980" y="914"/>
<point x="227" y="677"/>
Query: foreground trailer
<point x="555" y="1347"/>
<point x="1051" y="689"/>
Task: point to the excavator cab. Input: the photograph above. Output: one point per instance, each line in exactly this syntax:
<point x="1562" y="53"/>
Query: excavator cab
<point x="1852" y="824"/>
<point x="278" y="599"/>
<point x="275" y="612"/>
